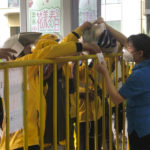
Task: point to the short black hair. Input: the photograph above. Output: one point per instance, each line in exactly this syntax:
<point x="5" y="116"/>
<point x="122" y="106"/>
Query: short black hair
<point x="141" y="42"/>
<point x="106" y="40"/>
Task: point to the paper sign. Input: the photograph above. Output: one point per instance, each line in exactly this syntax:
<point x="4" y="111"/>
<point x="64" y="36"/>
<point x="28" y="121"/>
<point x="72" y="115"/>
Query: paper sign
<point x="15" y="98"/>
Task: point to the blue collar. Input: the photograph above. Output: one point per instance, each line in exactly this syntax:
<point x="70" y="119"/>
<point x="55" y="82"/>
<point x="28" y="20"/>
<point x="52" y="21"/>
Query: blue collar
<point x="142" y="64"/>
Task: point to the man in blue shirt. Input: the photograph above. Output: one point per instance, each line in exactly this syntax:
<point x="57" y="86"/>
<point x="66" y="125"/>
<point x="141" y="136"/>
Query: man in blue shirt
<point x="136" y="89"/>
<point x="137" y="92"/>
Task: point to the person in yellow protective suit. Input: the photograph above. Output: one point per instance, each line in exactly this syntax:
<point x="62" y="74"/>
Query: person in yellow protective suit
<point x="82" y="108"/>
<point x="108" y="44"/>
<point x="61" y="128"/>
<point x="46" y="51"/>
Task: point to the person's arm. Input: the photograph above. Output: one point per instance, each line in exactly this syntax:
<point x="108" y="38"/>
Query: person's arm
<point x="112" y="91"/>
<point x="63" y="49"/>
<point x="76" y="34"/>
<point x="6" y="53"/>
<point x="118" y="35"/>
<point x="59" y="50"/>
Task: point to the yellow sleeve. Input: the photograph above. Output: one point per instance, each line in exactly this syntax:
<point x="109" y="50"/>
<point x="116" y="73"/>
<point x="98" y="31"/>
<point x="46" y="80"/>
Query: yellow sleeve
<point x="72" y="37"/>
<point x="48" y="52"/>
<point x="52" y="51"/>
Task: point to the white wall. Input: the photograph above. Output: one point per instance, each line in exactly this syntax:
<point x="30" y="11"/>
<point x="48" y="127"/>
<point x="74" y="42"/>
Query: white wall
<point x="4" y="4"/>
<point x="4" y="27"/>
<point x="66" y="16"/>
<point x="23" y="15"/>
<point x="128" y="12"/>
<point x="111" y="12"/>
<point x="131" y="17"/>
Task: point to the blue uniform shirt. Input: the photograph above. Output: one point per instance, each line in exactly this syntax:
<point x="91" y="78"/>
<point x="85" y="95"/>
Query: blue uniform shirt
<point x="137" y="92"/>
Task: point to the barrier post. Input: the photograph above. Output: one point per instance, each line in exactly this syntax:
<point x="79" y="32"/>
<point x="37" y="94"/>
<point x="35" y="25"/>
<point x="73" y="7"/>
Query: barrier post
<point x="24" y="108"/>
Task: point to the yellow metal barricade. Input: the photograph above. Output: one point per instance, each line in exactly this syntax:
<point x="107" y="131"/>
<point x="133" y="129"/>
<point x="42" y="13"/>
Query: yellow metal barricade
<point x="87" y="106"/>
<point x="25" y="106"/>
<point x="67" y="106"/>
<point x="95" y="119"/>
<point x="65" y="60"/>
<point x="6" y="97"/>
<point x="116" y="85"/>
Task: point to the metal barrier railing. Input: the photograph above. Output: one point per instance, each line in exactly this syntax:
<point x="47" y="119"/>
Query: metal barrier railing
<point x="65" y="60"/>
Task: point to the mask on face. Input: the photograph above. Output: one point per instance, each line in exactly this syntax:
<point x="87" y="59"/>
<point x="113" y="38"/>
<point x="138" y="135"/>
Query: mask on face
<point x="127" y="56"/>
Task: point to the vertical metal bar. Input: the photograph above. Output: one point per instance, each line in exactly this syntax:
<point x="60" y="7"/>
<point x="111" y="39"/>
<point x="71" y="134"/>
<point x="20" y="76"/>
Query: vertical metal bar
<point x="116" y="85"/>
<point x="127" y="69"/>
<point x="55" y="106"/>
<point x="141" y="4"/>
<point x="6" y="99"/>
<point x="77" y="107"/>
<point x="67" y="105"/>
<point x="95" y="117"/>
<point x="131" y="67"/>
<point x="41" y="108"/>
<point x="103" y="119"/>
<point x="123" y="80"/>
<point x="128" y="148"/>
<point x="127" y="74"/>
<point x="110" y="114"/>
<point x="110" y="124"/>
<point x="24" y="108"/>
<point x="87" y="104"/>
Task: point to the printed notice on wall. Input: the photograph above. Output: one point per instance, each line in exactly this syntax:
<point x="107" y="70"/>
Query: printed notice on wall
<point x="45" y="16"/>
<point x="15" y="98"/>
<point x="87" y="10"/>
<point x="45" y="20"/>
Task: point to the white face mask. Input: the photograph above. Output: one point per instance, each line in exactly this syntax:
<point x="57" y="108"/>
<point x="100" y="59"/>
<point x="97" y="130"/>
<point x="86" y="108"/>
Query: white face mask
<point x="127" y="56"/>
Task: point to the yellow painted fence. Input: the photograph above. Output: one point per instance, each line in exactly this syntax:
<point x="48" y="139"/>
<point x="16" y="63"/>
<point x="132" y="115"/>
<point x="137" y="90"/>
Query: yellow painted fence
<point x="110" y="59"/>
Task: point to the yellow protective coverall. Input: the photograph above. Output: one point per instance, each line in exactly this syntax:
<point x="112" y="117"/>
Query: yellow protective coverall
<point x="82" y="102"/>
<point x="47" y="51"/>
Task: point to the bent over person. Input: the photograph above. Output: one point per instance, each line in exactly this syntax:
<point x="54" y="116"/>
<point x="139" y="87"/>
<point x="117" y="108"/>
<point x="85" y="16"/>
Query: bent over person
<point x="50" y="50"/>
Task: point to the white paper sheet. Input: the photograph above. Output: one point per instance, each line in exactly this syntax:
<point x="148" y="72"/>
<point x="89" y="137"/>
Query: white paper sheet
<point x="15" y="97"/>
<point x="1" y="83"/>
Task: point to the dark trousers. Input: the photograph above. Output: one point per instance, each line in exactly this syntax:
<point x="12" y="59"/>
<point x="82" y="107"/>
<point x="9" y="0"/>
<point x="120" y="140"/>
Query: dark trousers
<point x="35" y="147"/>
<point x="83" y="134"/>
<point x="137" y="143"/>
<point x="91" y="135"/>
<point x="120" y="117"/>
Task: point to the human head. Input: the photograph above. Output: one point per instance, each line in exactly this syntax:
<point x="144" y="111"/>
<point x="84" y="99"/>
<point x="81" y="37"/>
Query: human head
<point x="107" y="42"/>
<point x="45" y="40"/>
<point x="99" y="35"/>
<point x="140" y="42"/>
<point x="137" y="48"/>
<point x="50" y="37"/>
<point x="92" y="34"/>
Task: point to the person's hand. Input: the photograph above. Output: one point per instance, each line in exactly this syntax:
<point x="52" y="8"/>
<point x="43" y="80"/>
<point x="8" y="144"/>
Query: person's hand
<point x="101" y="68"/>
<point x="86" y="25"/>
<point x="48" y="69"/>
<point x="92" y="48"/>
<point x="6" y="53"/>
<point x="100" y="20"/>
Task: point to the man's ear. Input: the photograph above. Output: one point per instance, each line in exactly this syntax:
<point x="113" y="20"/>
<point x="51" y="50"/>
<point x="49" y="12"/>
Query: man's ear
<point x="141" y="53"/>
